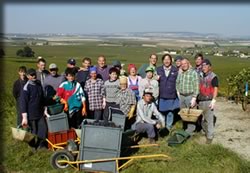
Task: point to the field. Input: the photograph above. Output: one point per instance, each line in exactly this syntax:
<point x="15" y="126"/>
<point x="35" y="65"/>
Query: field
<point x="191" y="156"/>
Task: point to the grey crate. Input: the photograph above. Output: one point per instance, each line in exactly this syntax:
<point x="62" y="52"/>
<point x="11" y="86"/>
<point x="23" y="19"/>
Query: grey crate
<point x="119" y="119"/>
<point x="58" y="122"/>
<point x="93" y="154"/>
<point x="101" y="137"/>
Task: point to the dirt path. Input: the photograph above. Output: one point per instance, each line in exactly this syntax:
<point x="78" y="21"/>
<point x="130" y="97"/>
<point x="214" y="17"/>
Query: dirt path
<point x="233" y="127"/>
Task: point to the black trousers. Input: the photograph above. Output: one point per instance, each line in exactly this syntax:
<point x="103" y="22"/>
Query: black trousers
<point x="106" y="112"/>
<point x="76" y="119"/>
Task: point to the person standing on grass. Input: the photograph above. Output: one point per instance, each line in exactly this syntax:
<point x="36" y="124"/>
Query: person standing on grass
<point x="83" y="74"/>
<point x="153" y="58"/>
<point x="94" y="89"/>
<point x="102" y="69"/>
<point x="198" y="63"/>
<point x="32" y="108"/>
<point x="111" y="88"/>
<point x="70" y="93"/>
<point x="187" y="85"/>
<point x="133" y="80"/>
<point x="126" y="99"/>
<point x="168" y="101"/>
<point x="149" y="82"/>
<point x="52" y="82"/>
<point x="41" y="71"/>
<point x="71" y="63"/>
<point x="144" y="122"/>
<point x="178" y="62"/>
<point x="17" y="89"/>
<point x="207" y="98"/>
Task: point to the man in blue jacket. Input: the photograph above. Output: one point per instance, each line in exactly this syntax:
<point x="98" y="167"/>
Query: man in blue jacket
<point x="32" y="108"/>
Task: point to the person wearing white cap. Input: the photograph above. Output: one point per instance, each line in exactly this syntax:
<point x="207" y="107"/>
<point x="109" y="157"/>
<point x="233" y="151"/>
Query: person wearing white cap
<point x="52" y="81"/>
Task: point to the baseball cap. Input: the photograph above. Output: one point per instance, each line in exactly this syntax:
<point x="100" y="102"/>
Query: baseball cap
<point x="207" y="62"/>
<point x="31" y="72"/>
<point x="131" y="66"/>
<point x="148" y="91"/>
<point x="53" y="66"/>
<point x="72" y="61"/>
<point x="116" y="63"/>
<point x="178" y="58"/>
<point x="149" y="69"/>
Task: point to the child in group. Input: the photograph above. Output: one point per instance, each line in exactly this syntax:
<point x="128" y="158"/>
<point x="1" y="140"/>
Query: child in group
<point x="133" y="80"/>
<point x="17" y="89"/>
<point x="70" y="93"/>
<point x="149" y="83"/>
<point x="111" y="88"/>
<point x="94" y="88"/>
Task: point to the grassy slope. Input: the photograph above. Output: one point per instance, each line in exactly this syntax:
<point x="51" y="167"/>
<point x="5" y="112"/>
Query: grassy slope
<point x="190" y="157"/>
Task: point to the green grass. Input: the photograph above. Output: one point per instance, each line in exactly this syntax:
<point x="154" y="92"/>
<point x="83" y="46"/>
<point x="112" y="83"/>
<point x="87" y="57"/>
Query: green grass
<point x="190" y="157"/>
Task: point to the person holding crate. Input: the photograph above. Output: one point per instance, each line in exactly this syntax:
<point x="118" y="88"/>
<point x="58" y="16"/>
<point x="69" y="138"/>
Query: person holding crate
<point x="207" y="98"/>
<point x="94" y="88"/>
<point x="70" y="93"/>
<point x="187" y="86"/>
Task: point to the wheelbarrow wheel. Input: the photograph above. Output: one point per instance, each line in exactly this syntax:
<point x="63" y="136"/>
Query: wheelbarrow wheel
<point x="61" y="155"/>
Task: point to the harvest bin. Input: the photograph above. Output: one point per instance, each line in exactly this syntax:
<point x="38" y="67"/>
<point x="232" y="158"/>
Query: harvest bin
<point x="99" y="142"/>
<point x="60" y="137"/>
<point x="119" y="119"/>
<point x="58" y="122"/>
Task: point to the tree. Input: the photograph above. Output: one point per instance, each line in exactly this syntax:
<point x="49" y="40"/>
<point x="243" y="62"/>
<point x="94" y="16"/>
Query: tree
<point x="2" y="53"/>
<point x="25" y="52"/>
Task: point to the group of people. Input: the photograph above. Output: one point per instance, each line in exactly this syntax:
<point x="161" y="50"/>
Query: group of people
<point x="150" y="99"/>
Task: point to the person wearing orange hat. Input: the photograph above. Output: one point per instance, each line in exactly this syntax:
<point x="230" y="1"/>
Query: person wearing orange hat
<point x="133" y="80"/>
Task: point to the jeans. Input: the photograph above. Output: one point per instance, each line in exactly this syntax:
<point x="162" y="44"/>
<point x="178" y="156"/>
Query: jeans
<point x="169" y="119"/>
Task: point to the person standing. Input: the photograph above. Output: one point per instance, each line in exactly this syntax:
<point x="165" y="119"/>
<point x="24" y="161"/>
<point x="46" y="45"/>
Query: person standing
<point x="102" y="69"/>
<point x="133" y="80"/>
<point x="32" y="108"/>
<point x="187" y="85"/>
<point x="51" y="83"/>
<point x="153" y="58"/>
<point x="207" y="98"/>
<point x="111" y="88"/>
<point x="168" y="101"/>
<point x="198" y="63"/>
<point x="17" y="89"/>
<point x="70" y="93"/>
<point x="94" y="89"/>
<point x="178" y="62"/>
<point x="149" y="83"/>
<point x="144" y="122"/>
<point x="83" y="74"/>
<point x="41" y="72"/>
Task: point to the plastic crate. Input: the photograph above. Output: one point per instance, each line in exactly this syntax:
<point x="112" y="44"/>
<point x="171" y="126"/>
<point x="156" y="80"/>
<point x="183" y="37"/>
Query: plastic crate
<point x="93" y="154"/>
<point x="119" y="119"/>
<point x="58" y="122"/>
<point x="60" y="137"/>
<point x="101" y="137"/>
<point x="55" y="109"/>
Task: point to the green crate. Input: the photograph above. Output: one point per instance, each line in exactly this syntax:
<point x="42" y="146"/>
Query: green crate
<point x="55" y="109"/>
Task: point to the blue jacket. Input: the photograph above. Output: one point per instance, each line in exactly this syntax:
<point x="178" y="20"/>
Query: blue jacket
<point x="32" y="100"/>
<point x="167" y="84"/>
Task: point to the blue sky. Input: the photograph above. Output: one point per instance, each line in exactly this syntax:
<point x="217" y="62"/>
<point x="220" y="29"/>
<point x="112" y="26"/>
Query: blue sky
<point x="226" y="19"/>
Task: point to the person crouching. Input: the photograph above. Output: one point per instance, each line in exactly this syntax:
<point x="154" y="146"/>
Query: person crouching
<point x="144" y="122"/>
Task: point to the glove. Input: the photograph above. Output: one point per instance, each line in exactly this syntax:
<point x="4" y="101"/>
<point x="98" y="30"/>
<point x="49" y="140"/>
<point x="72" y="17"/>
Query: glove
<point x="66" y="107"/>
<point x="212" y="104"/>
<point x="84" y="112"/>
<point x="25" y="119"/>
<point x="131" y="112"/>
<point x="193" y="102"/>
